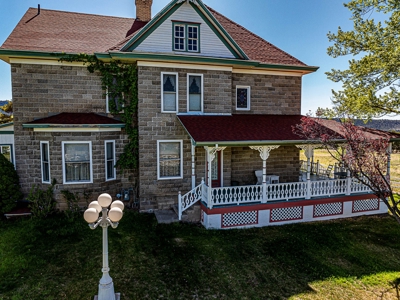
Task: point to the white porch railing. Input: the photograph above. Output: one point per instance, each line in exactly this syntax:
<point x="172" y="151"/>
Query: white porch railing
<point x="187" y="200"/>
<point x="236" y="195"/>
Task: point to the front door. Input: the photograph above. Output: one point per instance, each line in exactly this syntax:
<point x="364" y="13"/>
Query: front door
<point x="216" y="170"/>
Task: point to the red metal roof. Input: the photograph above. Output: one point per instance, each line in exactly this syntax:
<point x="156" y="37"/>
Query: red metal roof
<point x="236" y="128"/>
<point x="76" y="119"/>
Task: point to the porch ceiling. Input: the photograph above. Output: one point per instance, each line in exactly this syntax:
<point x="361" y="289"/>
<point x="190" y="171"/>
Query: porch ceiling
<point x="241" y="129"/>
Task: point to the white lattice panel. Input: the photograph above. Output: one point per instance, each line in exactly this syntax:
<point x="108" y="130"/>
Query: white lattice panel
<point x="286" y="214"/>
<point x="240" y="218"/>
<point x="328" y="209"/>
<point x="365" y="205"/>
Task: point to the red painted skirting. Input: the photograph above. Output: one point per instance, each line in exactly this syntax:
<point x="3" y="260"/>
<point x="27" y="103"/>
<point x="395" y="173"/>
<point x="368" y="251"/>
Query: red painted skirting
<point x="240" y="208"/>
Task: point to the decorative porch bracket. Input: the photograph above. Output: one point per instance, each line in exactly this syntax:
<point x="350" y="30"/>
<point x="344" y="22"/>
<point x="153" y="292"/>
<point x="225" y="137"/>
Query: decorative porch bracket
<point x="264" y="154"/>
<point x="309" y="153"/>
<point x="211" y="151"/>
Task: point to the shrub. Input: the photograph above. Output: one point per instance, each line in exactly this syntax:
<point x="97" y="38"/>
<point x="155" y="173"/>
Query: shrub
<point x="10" y="191"/>
<point x="42" y="203"/>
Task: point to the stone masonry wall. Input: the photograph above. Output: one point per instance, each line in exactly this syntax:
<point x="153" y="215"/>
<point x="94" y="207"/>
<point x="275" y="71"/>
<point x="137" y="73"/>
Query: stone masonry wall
<point x="40" y="90"/>
<point x="155" y="126"/>
<point x="283" y="161"/>
<point x="270" y="94"/>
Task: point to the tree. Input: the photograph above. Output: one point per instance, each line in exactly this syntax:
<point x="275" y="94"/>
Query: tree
<point x="6" y="113"/>
<point x="371" y="83"/>
<point x="362" y="151"/>
<point x="9" y="186"/>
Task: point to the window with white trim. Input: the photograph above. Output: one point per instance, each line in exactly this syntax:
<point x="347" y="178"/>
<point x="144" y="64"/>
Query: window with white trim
<point x="6" y="150"/>
<point x="77" y="162"/>
<point x="169" y="92"/>
<point x="169" y="159"/>
<point x="242" y="97"/>
<point x="45" y="161"/>
<point x="110" y="160"/>
<point x="114" y="99"/>
<point x="186" y="37"/>
<point x="195" y="92"/>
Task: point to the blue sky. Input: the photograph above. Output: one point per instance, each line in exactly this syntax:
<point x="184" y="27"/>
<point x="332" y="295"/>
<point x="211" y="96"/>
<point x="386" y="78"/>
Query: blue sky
<point x="298" y="27"/>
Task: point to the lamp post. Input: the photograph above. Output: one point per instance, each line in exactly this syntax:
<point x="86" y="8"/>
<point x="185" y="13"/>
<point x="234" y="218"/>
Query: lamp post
<point x="109" y="217"/>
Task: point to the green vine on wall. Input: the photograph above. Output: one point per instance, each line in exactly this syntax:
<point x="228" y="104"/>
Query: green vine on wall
<point x="119" y="80"/>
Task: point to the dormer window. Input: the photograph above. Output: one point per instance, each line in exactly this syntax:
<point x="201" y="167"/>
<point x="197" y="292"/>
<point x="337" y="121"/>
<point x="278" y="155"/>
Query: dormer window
<point x="186" y="37"/>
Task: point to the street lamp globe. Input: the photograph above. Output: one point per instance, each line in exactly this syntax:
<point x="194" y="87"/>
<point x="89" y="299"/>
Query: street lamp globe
<point x="96" y="205"/>
<point x="104" y="200"/>
<point x="118" y="204"/>
<point x="115" y="214"/>
<point x="91" y="215"/>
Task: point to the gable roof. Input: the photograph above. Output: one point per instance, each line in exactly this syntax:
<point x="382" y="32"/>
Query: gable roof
<point x="59" y="31"/>
<point x="56" y="31"/>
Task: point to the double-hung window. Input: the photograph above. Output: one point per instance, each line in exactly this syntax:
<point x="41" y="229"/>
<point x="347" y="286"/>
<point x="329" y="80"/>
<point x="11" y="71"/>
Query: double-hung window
<point x="195" y="92"/>
<point x="169" y="92"/>
<point x="186" y="37"/>
<point x="110" y="160"/>
<point x="6" y="150"/>
<point x="242" y="97"/>
<point x="45" y="161"/>
<point x="169" y="159"/>
<point x="77" y="162"/>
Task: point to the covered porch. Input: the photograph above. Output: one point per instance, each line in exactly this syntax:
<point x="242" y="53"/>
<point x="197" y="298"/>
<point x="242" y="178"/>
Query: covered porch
<point x="273" y="199"/>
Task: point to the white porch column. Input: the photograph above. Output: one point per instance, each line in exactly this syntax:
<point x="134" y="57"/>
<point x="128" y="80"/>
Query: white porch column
<point x="210" y="157"/>
<point x="193" y="167"/>
<point x="348" y="182"/>
<point x="389" y="154"/>
<point x="309" y="153"/>
<point x="264" y="154"/>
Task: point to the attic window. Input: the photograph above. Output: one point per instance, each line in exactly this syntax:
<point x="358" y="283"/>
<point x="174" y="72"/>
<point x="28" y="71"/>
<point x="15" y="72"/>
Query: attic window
<point x="186" y="37"/>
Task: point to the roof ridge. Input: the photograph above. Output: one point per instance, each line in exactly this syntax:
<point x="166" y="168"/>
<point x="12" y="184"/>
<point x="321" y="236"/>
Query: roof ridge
<point x="253" y="34"/>
<point x="78" y="13"/>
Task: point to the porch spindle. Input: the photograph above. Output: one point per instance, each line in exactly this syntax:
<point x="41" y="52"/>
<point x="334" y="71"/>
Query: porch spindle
<point x="180" y="205"/>
<point x="193" y="167"/>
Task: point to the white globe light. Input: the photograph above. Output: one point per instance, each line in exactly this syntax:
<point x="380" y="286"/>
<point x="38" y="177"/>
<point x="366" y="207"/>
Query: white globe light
<point x="91" y="215"/>
<point x="118" y="204"/>
<point x="115" y="214"/>
<point x="104" y="200"/>
<point x="96" y="205"/>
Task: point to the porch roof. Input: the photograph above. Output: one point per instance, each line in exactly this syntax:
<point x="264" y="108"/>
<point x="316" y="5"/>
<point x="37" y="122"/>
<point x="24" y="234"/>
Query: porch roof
<point x="241" y="129"/>
<point x="246" y="129"/>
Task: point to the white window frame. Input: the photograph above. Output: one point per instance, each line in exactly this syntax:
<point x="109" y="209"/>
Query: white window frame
<point x="45" y="144"/>
<point x="176" y="93"/>
<point x="11" y="151"/>
<point x="248" y="96"/>
<point x="106" y="161"/>
<point x="63" y="162"/>
<point x="158" y="159"/>
<point x="202" y="92"/>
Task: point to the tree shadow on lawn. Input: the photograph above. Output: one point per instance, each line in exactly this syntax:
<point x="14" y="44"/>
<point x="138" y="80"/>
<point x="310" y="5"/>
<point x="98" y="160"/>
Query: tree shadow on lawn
<point x="184" y="261"/>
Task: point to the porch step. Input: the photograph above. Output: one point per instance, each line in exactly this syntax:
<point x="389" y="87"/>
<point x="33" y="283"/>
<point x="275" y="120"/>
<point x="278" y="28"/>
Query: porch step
<point x="191" y="215"/>
<point x="166" y="216"/>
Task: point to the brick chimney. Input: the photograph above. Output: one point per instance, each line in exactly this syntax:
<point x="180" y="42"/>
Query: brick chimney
<point x="143" y="10"/>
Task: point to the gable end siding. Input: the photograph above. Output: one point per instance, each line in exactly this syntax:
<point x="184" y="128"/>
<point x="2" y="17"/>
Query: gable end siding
<point x="160" y="40"/>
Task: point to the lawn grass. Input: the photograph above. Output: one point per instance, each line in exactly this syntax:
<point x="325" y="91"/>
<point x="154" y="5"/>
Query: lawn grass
<point x="60" y="259"/>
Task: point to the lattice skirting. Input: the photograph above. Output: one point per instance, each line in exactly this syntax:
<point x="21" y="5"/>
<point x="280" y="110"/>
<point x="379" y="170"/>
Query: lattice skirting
<point x="365" y="205"/>
<point x="328" y="209"/>
<point x="286" y="214"/>
<point x="239" y="219"/>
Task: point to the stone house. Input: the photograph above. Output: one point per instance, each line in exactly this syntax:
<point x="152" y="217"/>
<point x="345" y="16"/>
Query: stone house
<point x="213" y="98"/>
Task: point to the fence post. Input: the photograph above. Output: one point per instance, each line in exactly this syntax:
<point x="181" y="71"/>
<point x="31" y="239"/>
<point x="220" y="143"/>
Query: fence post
<point x="348" y="182"/>
<point x="180" y="205"/>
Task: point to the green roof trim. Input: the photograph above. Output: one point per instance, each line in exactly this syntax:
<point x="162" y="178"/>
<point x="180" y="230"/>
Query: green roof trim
<point x="33" y="54"/>
<point x="151" y="26"/>
<point x="6" y="124"/>
<point x="73" y="126"/>
<point x="6" y="132"/>
<point x="237" y="50"/>
<point x="204" y="13"/>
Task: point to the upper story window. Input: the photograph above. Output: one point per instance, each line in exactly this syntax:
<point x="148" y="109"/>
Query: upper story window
<point x="242" y="97"/>
<point x="195" y="92"/>
<point x="169" y="92"/>
<point x="186" y="37"/>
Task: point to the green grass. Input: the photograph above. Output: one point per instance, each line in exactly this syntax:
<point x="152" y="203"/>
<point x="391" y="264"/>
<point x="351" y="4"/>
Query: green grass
<point x="57" y="259"/>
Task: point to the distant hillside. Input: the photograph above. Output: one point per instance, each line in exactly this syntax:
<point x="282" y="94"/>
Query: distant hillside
<point x="382" y="124"/>
<point x="3" y="102"/>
